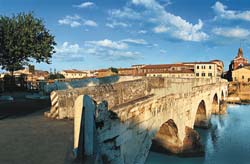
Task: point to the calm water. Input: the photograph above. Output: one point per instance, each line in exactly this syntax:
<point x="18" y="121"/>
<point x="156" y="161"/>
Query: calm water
<point x="227" y="142"/>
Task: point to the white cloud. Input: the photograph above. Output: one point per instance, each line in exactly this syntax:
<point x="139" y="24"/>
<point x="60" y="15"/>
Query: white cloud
<point x="90" y="23"/>
<point x="135" y="41"/>
<point x="222" y="12"/>
<point x="231" y="32"/>
<point x="124" y="55"/>
<point x="116" y="24"/>
<point x="178" y="27"/>
<point x="73" y="21"/>
<point x="113" y="50"/>
<point x="85" y="5"/>
<point x="142" y="32"/>
<point x="124" y="13"/>
<point x="160" y="29"/>
<point x="76" y="21"/>
<point x="109" y="44"/>
<point x="67" y="48"/>
<point x="69" y="52"/>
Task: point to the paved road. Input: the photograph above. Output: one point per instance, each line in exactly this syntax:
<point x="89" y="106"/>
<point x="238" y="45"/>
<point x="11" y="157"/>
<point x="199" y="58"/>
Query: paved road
<point x="26" y="136"/>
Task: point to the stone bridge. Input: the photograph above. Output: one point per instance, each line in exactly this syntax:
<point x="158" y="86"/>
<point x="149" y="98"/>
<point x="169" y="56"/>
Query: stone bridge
<point x="120" y="122"/>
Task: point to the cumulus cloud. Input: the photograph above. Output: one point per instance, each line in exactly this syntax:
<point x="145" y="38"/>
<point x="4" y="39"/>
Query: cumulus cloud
<point x="135" y="41"/>
<point x="222" y="12"/>
<point x="109" y="44"/>
<point x="160" y="29"/>
<point x="114" y="24"/>
<point x="69" y="52"/>
<point x="85" y="5"/>
<point x="76" y="21"/>
<point x="231" y="32"/>
<point x="177" y="26"/>
<point x="90" y="23"/>
<point x="142" y="32"/>
<point x="124" y="13"/>
<point x="113" y="50"/>
<point x="73" y="21"/>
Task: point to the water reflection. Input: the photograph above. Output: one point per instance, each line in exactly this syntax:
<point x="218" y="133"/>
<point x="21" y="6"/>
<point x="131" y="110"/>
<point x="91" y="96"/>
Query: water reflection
<point x="226" y="142"/>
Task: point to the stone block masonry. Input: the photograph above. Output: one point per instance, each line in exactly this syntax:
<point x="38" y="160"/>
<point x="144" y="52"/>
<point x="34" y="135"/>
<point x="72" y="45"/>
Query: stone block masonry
<point x="129" y="116"/>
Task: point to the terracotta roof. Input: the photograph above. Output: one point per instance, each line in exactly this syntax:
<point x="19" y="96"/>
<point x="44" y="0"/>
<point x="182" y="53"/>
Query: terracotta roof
<point x="125" y="69"/>
<point x="74" y="71"/>
<point x="162" y="66"/>
<point x="174" y="71"/>
<point x="198" y="63"/>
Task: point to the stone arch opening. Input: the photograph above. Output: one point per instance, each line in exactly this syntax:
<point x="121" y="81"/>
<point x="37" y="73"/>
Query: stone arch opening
<point x="166" y="139"/>
<point x="215" y="105"/>
<point x="223" y="104"/>
<point x="222" y="96"/>
<point x="201" y="116"/>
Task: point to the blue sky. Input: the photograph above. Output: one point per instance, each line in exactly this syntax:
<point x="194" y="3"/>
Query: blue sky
<point x="103" y="33"/>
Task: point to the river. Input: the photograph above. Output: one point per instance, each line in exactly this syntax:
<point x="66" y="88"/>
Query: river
<point x="226" y="142"/>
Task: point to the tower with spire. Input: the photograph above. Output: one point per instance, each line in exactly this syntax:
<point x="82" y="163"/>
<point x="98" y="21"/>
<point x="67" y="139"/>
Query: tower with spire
<point x="239" y="61"/>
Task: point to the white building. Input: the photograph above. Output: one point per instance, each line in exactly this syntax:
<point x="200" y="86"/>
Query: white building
<point x="74" y="74"/>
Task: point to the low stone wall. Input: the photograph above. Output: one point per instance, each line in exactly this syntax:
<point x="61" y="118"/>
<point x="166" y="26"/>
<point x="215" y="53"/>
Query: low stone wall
<point x="62" y="101"/>
<point x="87" y="82"/>
<point x="239" y="92"/>
<point x="115" y="94"/>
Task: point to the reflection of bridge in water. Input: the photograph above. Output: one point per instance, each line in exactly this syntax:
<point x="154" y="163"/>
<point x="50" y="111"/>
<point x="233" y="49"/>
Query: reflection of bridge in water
<point x="124" y="119"/>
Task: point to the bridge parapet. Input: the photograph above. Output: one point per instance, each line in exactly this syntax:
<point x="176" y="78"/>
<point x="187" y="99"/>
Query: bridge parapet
<point x="124" y="132"/>
<point x="62" y="101"/>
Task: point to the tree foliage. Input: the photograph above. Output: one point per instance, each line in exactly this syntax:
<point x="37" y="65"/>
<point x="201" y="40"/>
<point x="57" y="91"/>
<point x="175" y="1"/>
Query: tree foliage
<point x="56" y="76"/>
<point x="24" y="38"/>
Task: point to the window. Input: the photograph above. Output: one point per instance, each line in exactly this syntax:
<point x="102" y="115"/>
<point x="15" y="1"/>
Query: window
<point x="210" y="67"/>
<point x="242" y="77"/>
<point x="248" y="79"/>
<point x="197" y="67"/>
<point x="197" y="74"/>
<point x="204" y="67"/>
<point x="235" y="79"/>
<point x="203" y="74"/>
<point x="210" y="74"/>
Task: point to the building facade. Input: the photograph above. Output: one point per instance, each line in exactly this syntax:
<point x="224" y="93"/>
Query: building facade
<point x="205" y="70"/>
<point x="239" y="61"/>
<point x="241" y="75"/>
<point x="74" y="74"/>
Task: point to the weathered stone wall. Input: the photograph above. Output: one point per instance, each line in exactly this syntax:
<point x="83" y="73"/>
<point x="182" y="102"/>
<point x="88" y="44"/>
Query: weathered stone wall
<point x="125" y="131"/>
<point x="58" y="85"/>
<point x="121" y="92"/>
<point x="239" y="91"/>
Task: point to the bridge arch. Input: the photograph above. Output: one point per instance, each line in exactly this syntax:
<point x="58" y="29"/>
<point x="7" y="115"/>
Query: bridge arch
<point x="215" y="104"/>
<point x="201" y="115"/>
<point x="222" y="96"/>
<point x="167" y="138"/>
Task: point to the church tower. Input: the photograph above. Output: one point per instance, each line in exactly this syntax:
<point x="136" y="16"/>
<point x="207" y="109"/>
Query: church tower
<point x="239" y="61"/>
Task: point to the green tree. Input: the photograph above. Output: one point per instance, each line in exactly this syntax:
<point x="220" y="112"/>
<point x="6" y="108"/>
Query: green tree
<point x="24" y="38"/>
<point x="56" y="76"/>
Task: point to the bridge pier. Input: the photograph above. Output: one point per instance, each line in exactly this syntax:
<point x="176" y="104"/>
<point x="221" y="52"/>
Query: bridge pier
<point x="168" y="141"/>
<point x="122" y="128"/>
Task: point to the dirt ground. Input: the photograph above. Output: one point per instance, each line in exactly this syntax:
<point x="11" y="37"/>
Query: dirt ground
<point x="27" y="137"/>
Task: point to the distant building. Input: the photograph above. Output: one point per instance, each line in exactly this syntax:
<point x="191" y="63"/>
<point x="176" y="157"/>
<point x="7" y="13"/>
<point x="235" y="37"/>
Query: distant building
<point x="239" y="61"/>
<point x="241" y="74"/>
<point x="74" y="74"/>
<point x="173" y="74"/>
<point x="205" y="69"/>
<point x="209" y="69"/>
<point x="162" y="68"/>
<point x="127" y="71"/>
<point x="105" y="72"/>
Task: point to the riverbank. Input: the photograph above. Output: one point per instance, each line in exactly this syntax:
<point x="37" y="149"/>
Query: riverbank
<point x="238" y="93"/>
<point x="225" y="142"/>
<point x="35" y="139"/>
<point x="29" y="137"/>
